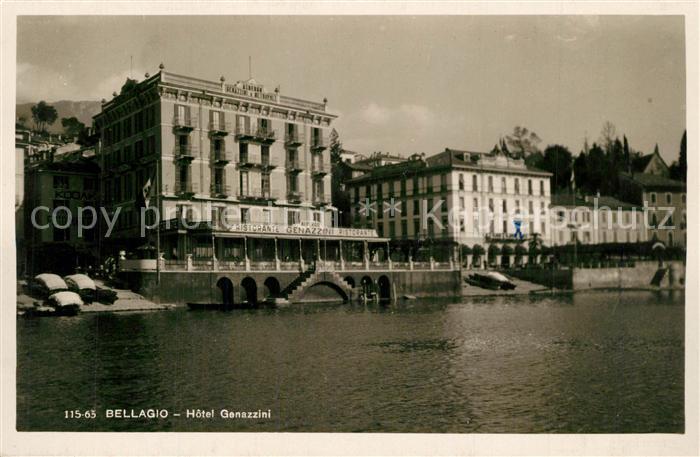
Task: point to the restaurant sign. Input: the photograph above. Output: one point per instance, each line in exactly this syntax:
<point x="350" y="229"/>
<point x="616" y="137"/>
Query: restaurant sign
<point x="304" y="230"/>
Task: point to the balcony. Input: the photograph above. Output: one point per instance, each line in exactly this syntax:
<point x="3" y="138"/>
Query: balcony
<point x="321" y="200"/>
<point x="294" y="196"/>
<point x="218" y="128"/>
<point x="294" y="165"/>
<point x="221" y="156"/>
<point x="257" y="134"/>
<point x="185" y="123"/>
<point x="318" y="143"/>
<point x="186" y="152"/>
<point x="320" y="168"/>
<point x="294" y="139"/>
<point x="219" y="190"/>
<point x="258" y="195"/>
<point x="185" y="189"/>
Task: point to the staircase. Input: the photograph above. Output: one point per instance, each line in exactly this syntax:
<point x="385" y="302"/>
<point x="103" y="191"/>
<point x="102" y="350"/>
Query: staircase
<point x="294" y="291"/>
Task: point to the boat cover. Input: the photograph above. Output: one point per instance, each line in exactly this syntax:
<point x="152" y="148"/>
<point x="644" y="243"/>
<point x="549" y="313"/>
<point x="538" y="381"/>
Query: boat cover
<point x="51" y="281"/>
<point x="79" y="281"/>
<point x="66" y="298"/>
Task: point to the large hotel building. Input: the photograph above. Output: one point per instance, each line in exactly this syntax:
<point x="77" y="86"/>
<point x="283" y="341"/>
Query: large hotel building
<point x="210" y="147"/>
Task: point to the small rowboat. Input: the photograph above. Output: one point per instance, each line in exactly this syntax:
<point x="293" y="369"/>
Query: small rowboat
<point x="491" y="280"/>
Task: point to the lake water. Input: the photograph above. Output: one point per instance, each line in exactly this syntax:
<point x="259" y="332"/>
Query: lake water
<point x="591" y="362"/>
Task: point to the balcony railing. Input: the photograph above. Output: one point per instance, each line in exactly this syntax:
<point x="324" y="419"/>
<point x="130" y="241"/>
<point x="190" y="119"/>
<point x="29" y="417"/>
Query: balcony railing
<point x="294" y="196"/>
<point x="220" y="190"/>
<point x="294" y="165"/>
<point x="185" y="188"/>
<point x="294" y="139"/>
<point x="259" y="194"/>
<point x="188" y="122"/>
<point x="187" y="152"/>
<point x="219" y="127"/>
<point x="318" y="143"/>
<point x="221" y="156"/>
<point x="262" y="134"/>
<point x="321" y="200"/>
<point x="320" y="168"/>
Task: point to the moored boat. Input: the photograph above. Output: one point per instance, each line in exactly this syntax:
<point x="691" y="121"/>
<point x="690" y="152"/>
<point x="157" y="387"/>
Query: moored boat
<point x="490" y="280"/>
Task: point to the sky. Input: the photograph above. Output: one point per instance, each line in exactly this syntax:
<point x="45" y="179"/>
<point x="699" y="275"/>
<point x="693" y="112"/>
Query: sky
<point x="399" y="84"/>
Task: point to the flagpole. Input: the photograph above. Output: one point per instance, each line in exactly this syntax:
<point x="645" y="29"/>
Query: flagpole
<point x="158" y="222"/>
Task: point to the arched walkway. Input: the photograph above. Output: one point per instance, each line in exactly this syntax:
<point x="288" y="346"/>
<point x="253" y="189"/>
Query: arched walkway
<point x="273" y="287"/>
<point x="384" y="287"/>
<point x="249" y="291"/>
<point x="350" y="280"/>
<point x="226" y="287"/>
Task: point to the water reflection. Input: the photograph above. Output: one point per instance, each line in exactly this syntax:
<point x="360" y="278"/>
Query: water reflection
<point x="595" y="362"/>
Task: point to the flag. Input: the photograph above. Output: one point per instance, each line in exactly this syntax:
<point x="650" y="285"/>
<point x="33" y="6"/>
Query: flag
<point x="145" y="199"/>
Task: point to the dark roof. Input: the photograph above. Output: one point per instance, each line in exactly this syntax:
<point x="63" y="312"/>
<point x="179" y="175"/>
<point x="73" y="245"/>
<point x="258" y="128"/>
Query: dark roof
<point x="409" y="167"/>
<point x="639" y="164"/>
<point x="357" y="166"/>
<point x="654" y="182"/>
<point x="567" y="199"/>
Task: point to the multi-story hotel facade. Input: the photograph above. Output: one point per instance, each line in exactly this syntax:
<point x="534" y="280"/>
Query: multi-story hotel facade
<point x="471" y="198"/>
<point x="210" y="148"/>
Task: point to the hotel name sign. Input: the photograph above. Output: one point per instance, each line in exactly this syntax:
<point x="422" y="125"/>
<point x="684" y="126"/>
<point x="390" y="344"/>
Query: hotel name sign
<point x="303" y="230"/>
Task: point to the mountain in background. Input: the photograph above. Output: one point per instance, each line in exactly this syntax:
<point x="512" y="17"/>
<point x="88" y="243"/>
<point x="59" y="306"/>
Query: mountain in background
<point x="83" y="110"/>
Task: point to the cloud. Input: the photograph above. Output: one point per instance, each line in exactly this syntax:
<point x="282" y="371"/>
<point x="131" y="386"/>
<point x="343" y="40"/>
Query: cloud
<point x="375" y="114"/>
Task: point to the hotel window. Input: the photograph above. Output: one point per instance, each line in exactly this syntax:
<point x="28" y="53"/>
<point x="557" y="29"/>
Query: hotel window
<point x="475" y="183"/>
<point x="505" y="206"/>
<point x="403" y="187"/>
<point x="529" y="186"/>
<point x="404" y="229"/>
<point x="445" y="224"/>
<point x="392" y="230"/>
<point x="543" y="227"/>
<point x="244" y="184"/>
<point x="265" y="184"/>
<point x="476" y="204"/>
<point x="541" y="187"/>
<point x="356" y="194"/>
<point x="462" y="225"/>
<point x="416" y="207"/>
<point x="243" y="152"/>
<point x="245" y="215"/>
<point x="652" y="196"/>
<point x="668" y="198"/>
<point x="416" y="189"/>
<point x="517" y="185"/>
<point x="378" y="188"/>
<point x="443" y="182"/>
<point x="293" y="217"/>
<point x="490" y="183"/>
<point x="380" y="229"/>
<point x="416" y="227"/>
<point x="504" y="187"/>
<point x="60" y="182"/>
<point x="461" y="182"/>
<point x="431" y="228"/>
<point x="530" y="208"/>
<point x="491" y="204"/>
<point x="317" y="216"/>
<point x="505" y="226"/>
<point x="461" y="203"/>
<point x="151" y="149"/>
<point x="242" y="123"/>
<point x="265" y="156"/>
<point x="263" y="125"/>
<point x="216" y="120"/>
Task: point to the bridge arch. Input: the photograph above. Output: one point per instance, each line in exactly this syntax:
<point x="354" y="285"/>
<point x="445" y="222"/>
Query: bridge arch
<point x="273" y="287"/>
<point x="249" y="291"/>
<point x="226" y="287"/>
<point x="384" y="288"/>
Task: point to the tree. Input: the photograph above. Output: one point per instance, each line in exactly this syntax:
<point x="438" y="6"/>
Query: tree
<point x="21" y="122"/>
<point x="679" y="169"/>
<point x="608" y="135"/>
<point x="523" y="142"/>
<point x="336" y="147"/>
<point x="339" y="196"/>
<point x="43" y="115"/>
<point x="72" y="126"/>
<point x="557" y="160"/>
<point x="626" y="153"/>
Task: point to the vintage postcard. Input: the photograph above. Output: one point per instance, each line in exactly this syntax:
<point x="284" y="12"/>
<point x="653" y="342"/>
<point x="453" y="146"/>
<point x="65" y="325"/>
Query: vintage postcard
<point x="311" y="228"/>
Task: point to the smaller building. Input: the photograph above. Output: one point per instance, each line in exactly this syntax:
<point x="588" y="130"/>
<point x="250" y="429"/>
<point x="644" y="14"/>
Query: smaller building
<point x="652" y="164"/>
<point x="595" y="220"/>
<point x="665" y="200"/>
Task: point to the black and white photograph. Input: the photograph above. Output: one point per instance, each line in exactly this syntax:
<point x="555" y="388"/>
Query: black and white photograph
<point x="407" y="224"/>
